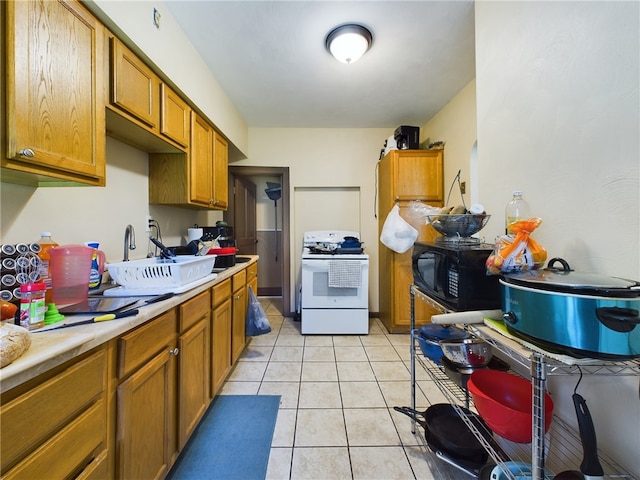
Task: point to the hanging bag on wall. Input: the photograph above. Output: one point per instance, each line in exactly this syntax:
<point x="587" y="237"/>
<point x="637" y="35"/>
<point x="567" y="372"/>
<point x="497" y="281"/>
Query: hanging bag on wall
<point x="257" y="321"/>
<point x="396" y="233"/>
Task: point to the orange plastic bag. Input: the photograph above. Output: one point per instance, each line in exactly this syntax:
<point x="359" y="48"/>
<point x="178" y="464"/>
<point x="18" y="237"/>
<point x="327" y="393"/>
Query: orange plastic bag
<point x="519" y="252"/>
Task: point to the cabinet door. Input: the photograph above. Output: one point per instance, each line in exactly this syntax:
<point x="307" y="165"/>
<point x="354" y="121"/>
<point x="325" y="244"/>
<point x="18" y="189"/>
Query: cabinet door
<point x="220" y="345"/>
<point x="220" y="173"/>
<point x="193" y="375"/>
<point x="134" y="86"/>
<point x="174" y="116"/>
<point x="239" y="312"/>
<point x="55" y="91"/>
<point x="201" y="161"/>
<point x="146" y="419"/>
<point x="417" y="175"/>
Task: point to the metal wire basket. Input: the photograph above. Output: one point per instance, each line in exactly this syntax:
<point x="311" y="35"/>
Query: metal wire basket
<point x="463" y="225"/>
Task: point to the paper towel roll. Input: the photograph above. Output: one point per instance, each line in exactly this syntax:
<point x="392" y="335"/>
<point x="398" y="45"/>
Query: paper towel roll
<point x="195" y="234"/>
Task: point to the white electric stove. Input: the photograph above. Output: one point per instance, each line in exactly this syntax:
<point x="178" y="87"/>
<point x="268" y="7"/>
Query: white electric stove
<point x="335" y="284"/>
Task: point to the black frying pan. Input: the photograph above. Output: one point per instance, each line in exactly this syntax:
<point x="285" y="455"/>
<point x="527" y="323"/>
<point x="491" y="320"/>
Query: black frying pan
<point x="446" y="432"/>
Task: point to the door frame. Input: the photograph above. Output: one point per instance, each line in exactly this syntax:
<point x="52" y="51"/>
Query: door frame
<point x="285" y="245"/>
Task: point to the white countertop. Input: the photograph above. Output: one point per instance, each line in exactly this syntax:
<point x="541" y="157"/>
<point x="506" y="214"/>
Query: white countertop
<point x="52" y="348"/>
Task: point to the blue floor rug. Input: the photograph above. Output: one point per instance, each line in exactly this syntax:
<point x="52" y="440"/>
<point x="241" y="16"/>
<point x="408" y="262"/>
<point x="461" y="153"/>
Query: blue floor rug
<point x="233" y="440"/>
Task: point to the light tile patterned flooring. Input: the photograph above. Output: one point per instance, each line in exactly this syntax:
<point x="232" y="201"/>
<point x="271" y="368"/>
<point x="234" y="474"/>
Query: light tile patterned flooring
<point x="336" y="417"/>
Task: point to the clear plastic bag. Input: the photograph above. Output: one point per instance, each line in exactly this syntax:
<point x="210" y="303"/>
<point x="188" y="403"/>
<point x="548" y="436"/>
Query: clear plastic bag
<point x="397" y="234"/>
<point x="517" y="252"/>
<point x="257" y="321"/>
<point x="418" y="213"/>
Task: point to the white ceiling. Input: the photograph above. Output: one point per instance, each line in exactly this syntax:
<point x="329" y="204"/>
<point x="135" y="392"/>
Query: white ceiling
<point x="270" y="58"/>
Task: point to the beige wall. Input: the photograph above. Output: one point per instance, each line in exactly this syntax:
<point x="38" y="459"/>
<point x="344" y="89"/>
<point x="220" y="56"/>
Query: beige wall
<point x="455" y="125"/>
<point x="558" y="116"/>
<point x="327" y="158"/>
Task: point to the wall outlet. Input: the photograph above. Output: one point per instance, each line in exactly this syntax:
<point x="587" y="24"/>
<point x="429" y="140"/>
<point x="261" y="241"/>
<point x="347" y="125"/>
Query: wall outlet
<point x="147" y="223"/>
<point x="463" y="187"/>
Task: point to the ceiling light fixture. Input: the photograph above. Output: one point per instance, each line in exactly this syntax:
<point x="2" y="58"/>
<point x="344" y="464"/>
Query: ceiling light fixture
<point x="347" y="43"/>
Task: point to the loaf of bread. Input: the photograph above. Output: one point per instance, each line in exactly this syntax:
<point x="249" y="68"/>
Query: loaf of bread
<point x="14" y="341"/>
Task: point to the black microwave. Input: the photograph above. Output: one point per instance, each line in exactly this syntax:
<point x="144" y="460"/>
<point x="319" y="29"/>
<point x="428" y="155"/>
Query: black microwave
<point x="455" y="275"/>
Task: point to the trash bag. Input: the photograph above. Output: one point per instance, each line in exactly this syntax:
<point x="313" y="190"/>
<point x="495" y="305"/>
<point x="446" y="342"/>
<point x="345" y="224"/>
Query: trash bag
<point x="397" y="234"/>
<point x="257" y="321"/>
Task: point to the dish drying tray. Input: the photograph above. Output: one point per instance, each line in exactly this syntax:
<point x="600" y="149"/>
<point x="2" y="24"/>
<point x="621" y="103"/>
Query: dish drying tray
<point x="560" y="448"/>
<point x="160" y="275"/>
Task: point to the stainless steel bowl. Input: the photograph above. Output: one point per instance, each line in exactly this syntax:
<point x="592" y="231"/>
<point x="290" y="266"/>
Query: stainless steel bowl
<point x="467" y="352"/>
<point x="462" y="225"/>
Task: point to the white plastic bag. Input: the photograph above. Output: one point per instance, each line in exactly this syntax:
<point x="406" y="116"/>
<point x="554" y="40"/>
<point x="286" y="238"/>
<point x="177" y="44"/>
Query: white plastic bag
<point x="257" y="321"/>
<point x="397" y="234"/>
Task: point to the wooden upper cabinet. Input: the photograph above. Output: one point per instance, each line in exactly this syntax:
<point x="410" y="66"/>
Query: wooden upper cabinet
<point x="417" y="174"/>
<point x="55" y="119"/>
<point x="174" y="116"/>
<point x="201" y="161"/>
<point x="134" y="86"/>
<point x="220" y="172"/>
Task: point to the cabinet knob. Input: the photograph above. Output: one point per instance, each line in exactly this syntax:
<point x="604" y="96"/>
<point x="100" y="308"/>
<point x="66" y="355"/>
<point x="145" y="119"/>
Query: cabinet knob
<point x="26" y="152"/>
<point x="174" y="351"/>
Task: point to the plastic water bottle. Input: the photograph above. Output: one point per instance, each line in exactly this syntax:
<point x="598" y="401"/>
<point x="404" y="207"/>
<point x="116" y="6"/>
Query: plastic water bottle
<point x="46" y="243"/>
<point x="516" y="209"/>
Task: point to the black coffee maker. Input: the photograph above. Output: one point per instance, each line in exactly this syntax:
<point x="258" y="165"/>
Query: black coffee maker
<point x="407" y="138"/>
<point x="222" y="231"/>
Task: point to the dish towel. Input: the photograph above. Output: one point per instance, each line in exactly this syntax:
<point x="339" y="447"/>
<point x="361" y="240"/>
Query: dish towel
<point x="345" y="274"/>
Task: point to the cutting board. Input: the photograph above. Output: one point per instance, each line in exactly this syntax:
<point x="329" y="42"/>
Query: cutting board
<point x="99" y="305"/>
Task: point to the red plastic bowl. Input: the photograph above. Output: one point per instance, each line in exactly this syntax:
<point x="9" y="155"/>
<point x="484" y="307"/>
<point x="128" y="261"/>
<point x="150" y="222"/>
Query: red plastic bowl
<point x="504" y="402"/>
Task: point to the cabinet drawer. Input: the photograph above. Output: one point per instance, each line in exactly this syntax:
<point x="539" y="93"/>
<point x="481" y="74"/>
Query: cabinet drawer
<point x="67" y="453"/>
<point x="221" y="292"/>
<point x="37" y="415"/>
<point x="239" y="280"/>
<point x="252" y="271"/>
<point x="139" y="346"/>
<point x="193" y="310"/>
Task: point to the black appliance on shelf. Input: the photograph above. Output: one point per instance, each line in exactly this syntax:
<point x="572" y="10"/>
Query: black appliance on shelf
<point x="221" y="231"/>
<point x="455" y="275"/>
<point x="407" y="138"/>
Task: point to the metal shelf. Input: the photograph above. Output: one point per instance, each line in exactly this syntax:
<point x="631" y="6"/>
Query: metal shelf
<point x="560" y="448"/>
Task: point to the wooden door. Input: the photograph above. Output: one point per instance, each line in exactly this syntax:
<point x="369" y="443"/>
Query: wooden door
<point x="201" y="161"/>
<point x="193" y="375"/>
<point x="220" y="345"/>
<point x="174" y="116"/>
<point x="134" y="87"/>
<point x="239" y="313"/>
<point x="220" y="181"/>
<point x="55" y="116"/>
<point x="244" y="215"/>
<point x="146" y="419"/>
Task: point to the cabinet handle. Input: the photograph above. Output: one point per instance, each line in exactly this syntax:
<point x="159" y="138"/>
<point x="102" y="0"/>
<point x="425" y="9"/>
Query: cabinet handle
<point x="238" y="297"/>
<point x="174" y="351"/>
<point x="27" y="152"/>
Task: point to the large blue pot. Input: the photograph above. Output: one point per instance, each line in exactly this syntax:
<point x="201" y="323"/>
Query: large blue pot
<point x="579" y="314"/>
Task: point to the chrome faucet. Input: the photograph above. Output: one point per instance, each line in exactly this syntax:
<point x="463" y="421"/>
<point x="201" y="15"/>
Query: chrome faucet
<point x="129" y="241"/>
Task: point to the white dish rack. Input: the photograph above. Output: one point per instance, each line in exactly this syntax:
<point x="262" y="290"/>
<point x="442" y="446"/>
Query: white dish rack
<point x="160" y="273"/>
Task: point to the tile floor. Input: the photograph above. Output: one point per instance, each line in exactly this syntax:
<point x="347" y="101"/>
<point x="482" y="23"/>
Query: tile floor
<point x="336" y="417"/>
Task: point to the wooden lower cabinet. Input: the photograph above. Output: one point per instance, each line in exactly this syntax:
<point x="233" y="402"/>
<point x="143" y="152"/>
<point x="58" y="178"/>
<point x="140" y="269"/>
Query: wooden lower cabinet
<point x="220" y="334"/>
<point x="193" y="364"/>
<point x="239" y="314"/>
<point x="56" y="425"/>
<point x="146" y="400"/>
